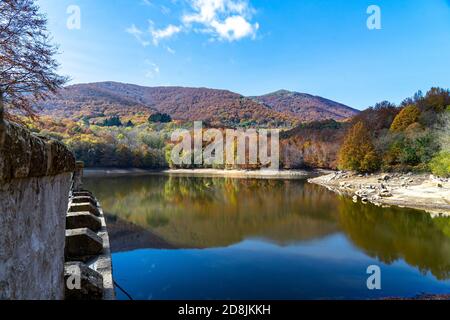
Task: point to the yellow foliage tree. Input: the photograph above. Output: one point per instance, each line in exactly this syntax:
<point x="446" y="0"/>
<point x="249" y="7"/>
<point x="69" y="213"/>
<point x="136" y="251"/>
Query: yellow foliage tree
<point x="358" y="152"/>
<point x="405" y="118"/>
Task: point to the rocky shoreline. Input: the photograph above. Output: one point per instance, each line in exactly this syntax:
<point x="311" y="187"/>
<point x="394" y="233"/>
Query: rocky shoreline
<point x="418" y="191"/>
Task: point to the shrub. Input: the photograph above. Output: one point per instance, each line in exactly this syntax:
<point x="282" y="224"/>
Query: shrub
<point x="440" y="164"/>
<point x="410" y="150"/>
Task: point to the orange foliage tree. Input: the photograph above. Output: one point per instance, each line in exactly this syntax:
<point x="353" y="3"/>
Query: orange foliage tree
<point x="357" y="151"/>
<point x="409" y="115"/>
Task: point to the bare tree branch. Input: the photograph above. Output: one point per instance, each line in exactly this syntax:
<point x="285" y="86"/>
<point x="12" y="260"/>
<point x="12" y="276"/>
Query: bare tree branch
<point x="27" y="64"/>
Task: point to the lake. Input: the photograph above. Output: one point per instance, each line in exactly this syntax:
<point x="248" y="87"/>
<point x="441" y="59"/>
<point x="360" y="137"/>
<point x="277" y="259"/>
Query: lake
<point x="223" y="238"/>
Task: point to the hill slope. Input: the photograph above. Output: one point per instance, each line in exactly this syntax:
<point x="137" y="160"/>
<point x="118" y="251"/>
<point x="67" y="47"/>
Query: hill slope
<point x="218" y="107"/>
<point x="306" y="107"/>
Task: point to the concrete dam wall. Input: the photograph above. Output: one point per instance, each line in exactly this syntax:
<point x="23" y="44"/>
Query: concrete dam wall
<point x="35" y="181"/>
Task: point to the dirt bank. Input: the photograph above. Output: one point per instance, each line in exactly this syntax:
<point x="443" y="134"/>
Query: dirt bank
<point x="419" y="191"/>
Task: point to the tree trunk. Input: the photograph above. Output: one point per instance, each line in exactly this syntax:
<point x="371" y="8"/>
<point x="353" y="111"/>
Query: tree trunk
<point x="2" y="124"/>
<point x="1" y="107"/>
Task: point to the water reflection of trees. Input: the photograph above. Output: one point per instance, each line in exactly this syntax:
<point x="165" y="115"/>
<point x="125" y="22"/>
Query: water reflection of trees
<point x="393" y="233"/>
<point x="212" y="212"/>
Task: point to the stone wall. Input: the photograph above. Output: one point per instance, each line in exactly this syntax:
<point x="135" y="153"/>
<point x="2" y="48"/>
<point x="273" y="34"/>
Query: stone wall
<point x="35" y="180"/>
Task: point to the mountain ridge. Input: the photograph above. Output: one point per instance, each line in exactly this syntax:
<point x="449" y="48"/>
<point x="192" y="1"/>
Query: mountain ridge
<point x="215" y="106"/>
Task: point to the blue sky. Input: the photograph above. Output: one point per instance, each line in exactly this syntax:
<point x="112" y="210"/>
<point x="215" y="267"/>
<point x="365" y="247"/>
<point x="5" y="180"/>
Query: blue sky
<point x="322" y="47"/>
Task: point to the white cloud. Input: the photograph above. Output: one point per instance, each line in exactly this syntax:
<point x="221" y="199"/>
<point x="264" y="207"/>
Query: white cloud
<point x="147" y="2"/>
<point x="165" y="10"/>
<point x="234" y="28"/>
<point x="225" y="19"/>
<point x="228" y="20"/>
<point x="138" y="34"/>
<point x="170" y="50"/>
<point x="167" y="32"/>
<point x="152" y="70"/>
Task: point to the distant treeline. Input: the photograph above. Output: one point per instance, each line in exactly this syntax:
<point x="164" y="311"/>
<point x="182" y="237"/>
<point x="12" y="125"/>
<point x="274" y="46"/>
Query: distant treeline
<point x="411" y="136"/>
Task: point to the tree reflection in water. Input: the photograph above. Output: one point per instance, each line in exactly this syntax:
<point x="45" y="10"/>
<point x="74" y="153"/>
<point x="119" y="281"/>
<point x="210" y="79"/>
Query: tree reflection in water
<point x="199" y="212"/>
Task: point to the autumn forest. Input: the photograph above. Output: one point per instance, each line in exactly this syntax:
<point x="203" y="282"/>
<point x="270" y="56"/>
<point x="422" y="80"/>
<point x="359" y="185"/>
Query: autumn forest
<point x="109" y="132"/>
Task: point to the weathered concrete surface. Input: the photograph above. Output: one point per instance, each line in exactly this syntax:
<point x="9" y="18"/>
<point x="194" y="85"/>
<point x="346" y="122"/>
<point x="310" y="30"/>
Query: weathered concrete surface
<point x="103" y="263"/>
<point x="24" y="155"/>
<point x="32" y="232"/>
<point x="78" y="220"/>
<point x="85" y="283"/>
<point x="35" y="180"/>
<point x="84" y="207"/>
<point x="82" y="244"/>
<point x="90" y="200"/>
<point x="78" y="176"/>
<point x="82" y="193"/>
<point x="79" y="240"/>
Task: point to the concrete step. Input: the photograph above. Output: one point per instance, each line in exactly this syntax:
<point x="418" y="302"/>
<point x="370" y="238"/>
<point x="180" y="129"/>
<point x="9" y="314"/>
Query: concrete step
<point x="81" y="282"/>
<point x="83" y="193"/>
<point x="83" y="199"/>
<point x="84" y="207"/>
<point x="82" y="244"/>
<point x="78" y="220"/>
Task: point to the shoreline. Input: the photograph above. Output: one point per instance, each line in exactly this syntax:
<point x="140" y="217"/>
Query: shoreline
<point x="417" y="191"/>
<point x="241" y="174"/>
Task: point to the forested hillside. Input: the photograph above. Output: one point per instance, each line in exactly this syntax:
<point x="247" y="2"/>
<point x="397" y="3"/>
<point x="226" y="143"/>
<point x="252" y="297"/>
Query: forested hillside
<point x="132" y="129"/>
<point x="306" y="107"/>
<point x="216" y="107"/>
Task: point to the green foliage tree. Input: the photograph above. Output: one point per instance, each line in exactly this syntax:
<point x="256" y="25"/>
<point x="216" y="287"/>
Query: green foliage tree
<point x="112" y="122"/>
<point x="357" y="151"/>
<point x="440" y="164"/>
<point x="410" y="151"/>
<point x="160" y="117"/>
<point x="407" y="116"/>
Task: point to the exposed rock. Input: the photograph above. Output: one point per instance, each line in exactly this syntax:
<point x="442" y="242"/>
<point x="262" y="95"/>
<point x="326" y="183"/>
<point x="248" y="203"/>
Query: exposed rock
<point x="419" y="191"/>
<point x="385" y="193"/>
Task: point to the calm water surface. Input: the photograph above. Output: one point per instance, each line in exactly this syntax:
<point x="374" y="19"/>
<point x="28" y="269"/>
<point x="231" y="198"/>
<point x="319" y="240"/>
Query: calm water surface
<point x="223" y="238"/>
